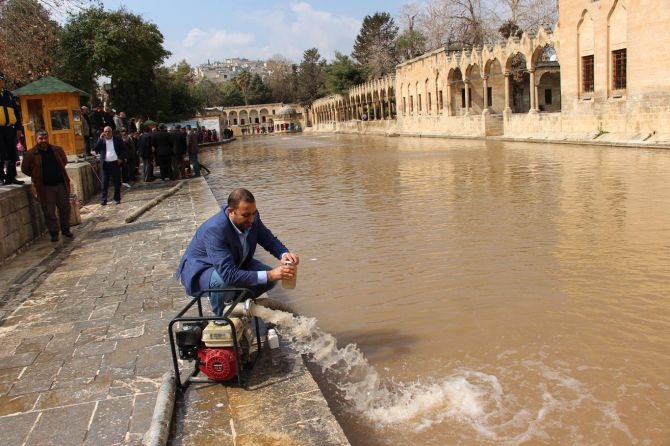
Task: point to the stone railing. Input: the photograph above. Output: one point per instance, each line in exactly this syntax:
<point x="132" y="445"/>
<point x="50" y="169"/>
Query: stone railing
<point x="21" y="219"/>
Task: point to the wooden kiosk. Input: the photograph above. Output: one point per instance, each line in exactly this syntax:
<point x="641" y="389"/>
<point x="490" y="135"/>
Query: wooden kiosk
<point x="53" y="105"/>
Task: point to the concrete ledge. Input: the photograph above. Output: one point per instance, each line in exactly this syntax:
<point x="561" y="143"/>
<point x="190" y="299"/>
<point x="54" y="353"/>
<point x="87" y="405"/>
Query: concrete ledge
<point x="21" y="218"/>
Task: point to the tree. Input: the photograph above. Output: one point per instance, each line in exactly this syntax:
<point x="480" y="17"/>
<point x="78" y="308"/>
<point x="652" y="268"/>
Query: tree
<point x="243" y="82"/>
<point x="510" y="29"/>
<point x="207" y="93"/>
<point x="115" y="44"/>
<point x="231" y="94"/>
<point x="27" y="38"/>
<point x="528" y="15"/>
<point x="259" y="92"/>
<point x="282" y="79"/>
<point x="311" y="77"/>
<point x="374" y="47"/>
<point x="342" y="74"/>
<point x="411" y="42"/>
<point x="461" y="24"/>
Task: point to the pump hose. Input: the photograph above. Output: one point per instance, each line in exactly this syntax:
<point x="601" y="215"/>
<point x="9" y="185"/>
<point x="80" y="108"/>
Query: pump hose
<point x="274" y="304"/>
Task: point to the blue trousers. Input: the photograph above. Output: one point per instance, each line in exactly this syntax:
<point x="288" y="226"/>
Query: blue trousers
<point x="219" y="299"/>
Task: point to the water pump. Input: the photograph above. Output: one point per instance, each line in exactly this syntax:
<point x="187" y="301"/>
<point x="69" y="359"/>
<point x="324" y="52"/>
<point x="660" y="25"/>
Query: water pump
<point x="219" y="346"/>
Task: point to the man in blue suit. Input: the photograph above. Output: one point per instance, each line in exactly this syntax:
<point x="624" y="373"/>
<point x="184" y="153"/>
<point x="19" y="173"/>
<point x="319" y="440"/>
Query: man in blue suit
<point x="113" y="153"/>
<point x="221" y="253"/>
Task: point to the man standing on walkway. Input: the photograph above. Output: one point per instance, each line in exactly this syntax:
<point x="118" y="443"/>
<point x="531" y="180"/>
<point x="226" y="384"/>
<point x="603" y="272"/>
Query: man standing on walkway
<point x="192" y="145"/>
<point x="145" y="149"/>
<point x="221" y="253"/>
<point x="45" y="164"/>
<point x="11" y="131"/>
<point x="163" y="143"/>
<point x="87" y="129"/>
<point x="178" y="152"/>
<point x="113" y="154"/>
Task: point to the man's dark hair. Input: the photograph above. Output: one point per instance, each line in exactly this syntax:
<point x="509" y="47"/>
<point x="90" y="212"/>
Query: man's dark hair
<point x="238" y="195"/>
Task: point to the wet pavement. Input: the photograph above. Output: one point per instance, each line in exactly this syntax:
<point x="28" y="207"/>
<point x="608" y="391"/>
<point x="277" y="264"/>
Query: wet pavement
<point x="84" y="345"/>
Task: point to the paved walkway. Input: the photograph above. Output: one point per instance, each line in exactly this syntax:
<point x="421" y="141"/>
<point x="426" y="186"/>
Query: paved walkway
<point x="83" y="338"/>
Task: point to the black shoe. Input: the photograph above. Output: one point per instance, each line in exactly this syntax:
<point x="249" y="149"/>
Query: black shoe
<point x="68" y="234"/>
<point x="103" y="203"/>
<point x="15" y="181"/>
<point x="117" y="201"/>
<point x="54" y="237"/>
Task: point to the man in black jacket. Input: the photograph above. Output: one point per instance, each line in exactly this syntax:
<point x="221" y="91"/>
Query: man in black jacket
<point x="163" y="145"/>
<point x="11" y="131"/>
<point x="178" y="152"/>
<point x="145" y="149"/>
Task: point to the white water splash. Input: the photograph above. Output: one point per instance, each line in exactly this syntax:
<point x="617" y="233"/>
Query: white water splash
<point x="471" y="399"/>
<point x="384" y="402"/>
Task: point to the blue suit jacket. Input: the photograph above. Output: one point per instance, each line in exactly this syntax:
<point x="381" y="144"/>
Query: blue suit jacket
<point x="119" y="147"/>
<point x="216" y="246"/>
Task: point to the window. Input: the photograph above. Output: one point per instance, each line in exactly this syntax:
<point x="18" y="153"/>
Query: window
<point x="587" y="74"/>
<point x="547" y="96"/>
<point x="404" y="105"/>
<point x="489" y="96"/>
<point x="440" y="104"/>
<point x="411" y="104"/>
<point x="419" y="101"/>
<point x="59" y="120"/>
<point x="430" y="102"/>
<point x="619" y="69"/>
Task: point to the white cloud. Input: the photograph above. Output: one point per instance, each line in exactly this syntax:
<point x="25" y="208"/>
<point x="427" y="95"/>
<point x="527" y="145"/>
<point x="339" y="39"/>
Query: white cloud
<point x="213" y="44"/>
<point x="263" y="34"/>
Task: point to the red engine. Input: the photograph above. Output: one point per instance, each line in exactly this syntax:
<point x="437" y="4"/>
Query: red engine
<point x="217" y="363"/>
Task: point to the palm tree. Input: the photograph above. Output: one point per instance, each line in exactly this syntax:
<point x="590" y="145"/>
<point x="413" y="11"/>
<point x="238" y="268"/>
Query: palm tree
<point x="243" y="82"/>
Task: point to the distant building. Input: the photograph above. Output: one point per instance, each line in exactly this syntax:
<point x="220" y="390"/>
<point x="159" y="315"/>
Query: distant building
<point x="599" y="77"/>
<point x="229" y="68"/>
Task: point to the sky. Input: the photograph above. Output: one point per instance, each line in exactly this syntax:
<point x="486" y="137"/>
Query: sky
<point x="199" y="31"/>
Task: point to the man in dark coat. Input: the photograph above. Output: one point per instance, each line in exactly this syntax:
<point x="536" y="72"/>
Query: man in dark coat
<point x="145" y="148"/>
<point x="11" y="130"/>
<point x="45" y="164"/>
<point x="87" y="130"/>
<point x="163" y="144"/>
<point x="178" y="152"/>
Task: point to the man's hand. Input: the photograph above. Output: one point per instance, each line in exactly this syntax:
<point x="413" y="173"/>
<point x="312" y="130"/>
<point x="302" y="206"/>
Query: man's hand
<point x="290" y="257"/>
<point x="284" y="271"/>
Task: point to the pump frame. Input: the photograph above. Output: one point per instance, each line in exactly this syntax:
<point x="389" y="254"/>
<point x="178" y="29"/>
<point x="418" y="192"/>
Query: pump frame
<point x="243" y="294"/>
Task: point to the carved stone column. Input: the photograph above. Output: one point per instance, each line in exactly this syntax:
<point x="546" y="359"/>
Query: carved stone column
<point x="485" y="81"/>
<point x="533" y="92"/>
<point x="507" y="110"/>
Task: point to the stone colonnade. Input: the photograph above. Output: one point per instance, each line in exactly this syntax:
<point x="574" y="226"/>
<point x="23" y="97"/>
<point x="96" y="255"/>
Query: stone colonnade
<point x="252" y="118"/>
<point x="520" y="75"/>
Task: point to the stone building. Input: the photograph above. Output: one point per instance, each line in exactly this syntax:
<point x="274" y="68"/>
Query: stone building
<point x="614" y="79"/>
<point x="227" y="69"/>
<point x="588" y="80"/>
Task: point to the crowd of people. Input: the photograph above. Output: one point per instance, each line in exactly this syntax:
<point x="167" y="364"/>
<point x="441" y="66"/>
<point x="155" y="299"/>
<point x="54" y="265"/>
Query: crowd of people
<point x="130" y="148"/>
<point x="127" y="148"/>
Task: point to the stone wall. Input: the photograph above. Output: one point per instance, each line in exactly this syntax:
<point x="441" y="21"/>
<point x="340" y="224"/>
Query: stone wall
<point x="21" y="219"/>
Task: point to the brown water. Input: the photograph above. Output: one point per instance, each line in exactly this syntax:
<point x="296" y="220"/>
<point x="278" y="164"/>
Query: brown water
<point x="496" y="293"/>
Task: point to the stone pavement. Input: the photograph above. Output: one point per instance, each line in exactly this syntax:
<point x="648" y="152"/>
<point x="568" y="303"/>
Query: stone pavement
<point x="84" y="345"/>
